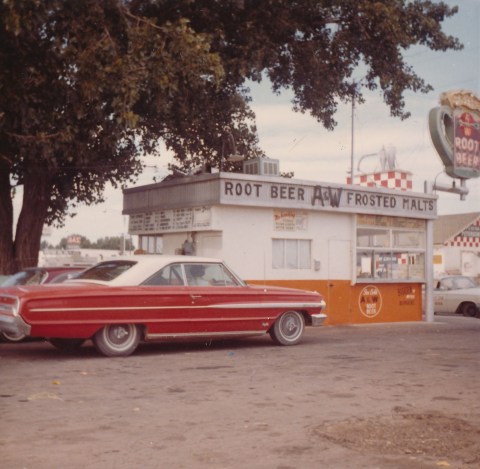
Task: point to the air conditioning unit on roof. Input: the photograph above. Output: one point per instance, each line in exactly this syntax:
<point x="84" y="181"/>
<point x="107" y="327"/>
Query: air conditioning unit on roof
<point x="262" y="166"/>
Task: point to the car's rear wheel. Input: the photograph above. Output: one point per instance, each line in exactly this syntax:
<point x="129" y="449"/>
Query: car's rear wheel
<point x="469" y="310"/>
<point x="7" y="337"/>
<point x="288" y="328"/>
<point x="117" y="340"/>
<point x="67" y="345"/>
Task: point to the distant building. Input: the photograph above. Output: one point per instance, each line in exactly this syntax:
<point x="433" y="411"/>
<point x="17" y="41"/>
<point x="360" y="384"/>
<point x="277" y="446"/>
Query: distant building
<point x="456" y="240"/>
<point x="73" y="242"/>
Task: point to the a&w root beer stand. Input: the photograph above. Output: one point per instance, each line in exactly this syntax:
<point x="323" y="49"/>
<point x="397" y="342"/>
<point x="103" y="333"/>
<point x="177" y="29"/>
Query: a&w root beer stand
<point x="368" y="247"/>
<point x="363" y="248"/>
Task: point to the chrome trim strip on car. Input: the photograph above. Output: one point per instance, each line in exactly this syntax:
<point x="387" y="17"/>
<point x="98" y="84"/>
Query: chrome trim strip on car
<point x="202" y="334"/>
<point x="320" y="304"/>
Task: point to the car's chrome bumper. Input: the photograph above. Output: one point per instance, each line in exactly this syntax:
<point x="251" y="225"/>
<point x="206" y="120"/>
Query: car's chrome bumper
<point x="14" y="325"/>
<point x="318" y="319"/>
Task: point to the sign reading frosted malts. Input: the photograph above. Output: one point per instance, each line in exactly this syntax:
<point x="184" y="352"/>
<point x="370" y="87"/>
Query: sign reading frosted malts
<point x="332" y="197"/>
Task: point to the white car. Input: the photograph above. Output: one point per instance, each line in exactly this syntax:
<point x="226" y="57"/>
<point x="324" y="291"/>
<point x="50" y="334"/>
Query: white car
<point x="457" y="294"/>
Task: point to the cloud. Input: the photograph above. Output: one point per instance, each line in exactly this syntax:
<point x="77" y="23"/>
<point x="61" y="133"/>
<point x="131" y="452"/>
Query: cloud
<point x="303" y="146"/>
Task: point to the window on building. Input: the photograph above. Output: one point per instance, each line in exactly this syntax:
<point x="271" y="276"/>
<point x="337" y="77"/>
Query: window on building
<point x="152" y="244"/>
<point x="368" y="237"/>
<point x="390" y="248"/>
<point x="291" y="254"/>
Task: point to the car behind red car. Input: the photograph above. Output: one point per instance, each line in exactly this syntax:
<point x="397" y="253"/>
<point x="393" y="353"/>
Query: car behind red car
<point x="36" y="276"/>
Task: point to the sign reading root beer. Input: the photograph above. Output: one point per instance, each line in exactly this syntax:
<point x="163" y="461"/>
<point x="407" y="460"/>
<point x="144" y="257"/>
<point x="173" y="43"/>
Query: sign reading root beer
<point x="455" y="131"/>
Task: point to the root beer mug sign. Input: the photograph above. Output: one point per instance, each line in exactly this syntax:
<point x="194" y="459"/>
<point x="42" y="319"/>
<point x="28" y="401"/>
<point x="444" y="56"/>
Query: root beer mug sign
<point x="455" y="131"/>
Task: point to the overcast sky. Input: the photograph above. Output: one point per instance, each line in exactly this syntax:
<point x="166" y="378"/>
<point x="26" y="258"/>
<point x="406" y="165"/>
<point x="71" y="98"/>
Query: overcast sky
<point x="303" y="146"/>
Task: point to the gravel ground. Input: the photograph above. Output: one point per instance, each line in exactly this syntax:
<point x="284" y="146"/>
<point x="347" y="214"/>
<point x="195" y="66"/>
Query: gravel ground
<point x="372" y="396"/>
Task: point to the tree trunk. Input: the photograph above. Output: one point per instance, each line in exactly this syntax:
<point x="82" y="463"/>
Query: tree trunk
<point x="7" y="253"/>
<point x="36" y="198"/>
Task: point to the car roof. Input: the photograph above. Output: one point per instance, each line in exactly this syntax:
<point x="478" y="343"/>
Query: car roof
<point x="145" y="266"/>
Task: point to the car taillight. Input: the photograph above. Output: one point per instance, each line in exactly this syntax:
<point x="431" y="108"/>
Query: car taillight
<point x="9" y="304"/>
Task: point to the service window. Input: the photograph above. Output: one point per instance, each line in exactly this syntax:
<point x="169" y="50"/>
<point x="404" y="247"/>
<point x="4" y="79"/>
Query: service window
<point x="291" y="254"/>
<point x="151" y="244"/>
<point x="373" y="237"/>
<point x="390" y="248"/>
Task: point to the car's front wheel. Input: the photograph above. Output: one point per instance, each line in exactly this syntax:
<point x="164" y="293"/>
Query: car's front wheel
<point x="117" y="340"/>
<point x="13" y="338"/>
<point x="288" y="328"/>
<point x="469" y="310"/>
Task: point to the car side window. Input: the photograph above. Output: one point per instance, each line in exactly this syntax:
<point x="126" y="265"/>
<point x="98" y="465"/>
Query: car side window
<point x="464" y="282"/>
<point x="222" y="277"/>
<point x="196" y="274"/>
<point x="209" y="274"/>
<point x="26" y="277"/>
<point x="62" y="277"/>
<point x="446" y="284"/>
<point x="170" y="275"/>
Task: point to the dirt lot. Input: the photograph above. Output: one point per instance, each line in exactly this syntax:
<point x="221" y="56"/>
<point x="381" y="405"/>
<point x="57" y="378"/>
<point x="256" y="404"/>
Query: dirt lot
<point x="379" y="396"/>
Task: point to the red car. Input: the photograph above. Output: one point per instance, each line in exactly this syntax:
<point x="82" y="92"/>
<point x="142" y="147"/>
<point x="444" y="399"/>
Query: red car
<point x="121" y="302"/>
<point x="36" y="276"/>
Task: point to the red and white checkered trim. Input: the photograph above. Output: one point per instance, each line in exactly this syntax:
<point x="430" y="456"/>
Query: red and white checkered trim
<point x="398" y="179"/>
<point x="464" y="241"/>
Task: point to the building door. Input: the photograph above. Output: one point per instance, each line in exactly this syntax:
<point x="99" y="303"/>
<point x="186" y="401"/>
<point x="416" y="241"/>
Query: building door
<point x="339" y="275"/>
<point x="339" y="260"/>
<point x="470" y="263"/>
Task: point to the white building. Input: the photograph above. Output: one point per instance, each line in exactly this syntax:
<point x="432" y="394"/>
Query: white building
<point x="363" y="248"/>
<point x="457" y="245"/>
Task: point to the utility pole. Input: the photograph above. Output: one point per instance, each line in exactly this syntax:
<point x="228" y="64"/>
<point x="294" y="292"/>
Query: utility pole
<point x="352" y="138"/>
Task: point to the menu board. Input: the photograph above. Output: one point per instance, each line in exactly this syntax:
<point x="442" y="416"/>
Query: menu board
<point x="181" y="219"/>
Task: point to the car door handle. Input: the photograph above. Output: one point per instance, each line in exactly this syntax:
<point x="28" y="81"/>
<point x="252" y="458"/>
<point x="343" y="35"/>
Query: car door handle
<point x="194" y="297"/>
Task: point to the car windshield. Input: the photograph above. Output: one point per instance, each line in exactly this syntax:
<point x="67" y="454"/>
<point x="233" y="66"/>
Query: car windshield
<point x="105" y="271"/>
<point x="25" y="277"/>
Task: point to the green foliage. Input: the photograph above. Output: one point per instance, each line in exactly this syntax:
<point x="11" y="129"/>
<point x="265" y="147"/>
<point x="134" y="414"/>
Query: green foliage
<point x="87" y="88"/>
<point x="108" y="242"/>
<point x="113" y="242"/>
